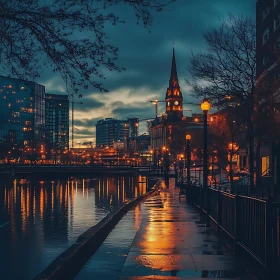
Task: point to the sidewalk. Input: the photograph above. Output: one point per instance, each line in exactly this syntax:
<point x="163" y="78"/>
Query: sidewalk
<point x="163" y="238"/>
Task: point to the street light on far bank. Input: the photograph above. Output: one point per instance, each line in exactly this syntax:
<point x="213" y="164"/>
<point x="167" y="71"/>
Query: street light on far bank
<point x="205" y="107"/>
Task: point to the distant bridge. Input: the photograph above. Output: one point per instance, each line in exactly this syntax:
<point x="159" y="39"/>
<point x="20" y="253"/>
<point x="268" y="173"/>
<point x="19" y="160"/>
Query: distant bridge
<point x="13" y="170"/>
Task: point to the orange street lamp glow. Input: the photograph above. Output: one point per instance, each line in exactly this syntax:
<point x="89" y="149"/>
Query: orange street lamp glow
<point x="205" y="105"/>
<point x="188" y="137"/>
<point x="164" y="148"/>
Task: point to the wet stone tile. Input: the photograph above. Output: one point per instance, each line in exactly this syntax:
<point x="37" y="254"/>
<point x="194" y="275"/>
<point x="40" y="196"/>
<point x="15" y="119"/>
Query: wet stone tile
<point x="170" y="242"/>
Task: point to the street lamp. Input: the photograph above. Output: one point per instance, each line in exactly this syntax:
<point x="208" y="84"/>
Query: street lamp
<point x="188" y="138"/>
<point x="164" y="155"/>
<point x="205" y="107"/>
<point x="151" y="157"/>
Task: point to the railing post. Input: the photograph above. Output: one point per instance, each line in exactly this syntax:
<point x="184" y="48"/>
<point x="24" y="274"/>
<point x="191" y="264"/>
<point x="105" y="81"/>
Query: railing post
<point x="194" y="196"/>
<point x="236" y="222"/>
<point x="200" y="202"/>
<point x="207" y="206"/>
<point x="219" y="212"/>
<point x="268" y="234"/>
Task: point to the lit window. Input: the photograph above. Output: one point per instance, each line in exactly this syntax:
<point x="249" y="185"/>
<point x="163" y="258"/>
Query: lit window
<point x="265" y="12"/>
<point x="21" y="87"/>
<point x="265" y="36"/>
<point x="9" y="86"/>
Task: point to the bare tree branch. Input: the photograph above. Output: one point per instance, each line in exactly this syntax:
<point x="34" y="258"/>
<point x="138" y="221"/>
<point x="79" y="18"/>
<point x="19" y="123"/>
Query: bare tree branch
<point x="68" y="36"/>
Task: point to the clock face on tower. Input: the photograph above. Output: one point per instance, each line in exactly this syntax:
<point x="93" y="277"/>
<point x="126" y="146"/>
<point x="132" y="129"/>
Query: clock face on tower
<point x="176" y="103"/>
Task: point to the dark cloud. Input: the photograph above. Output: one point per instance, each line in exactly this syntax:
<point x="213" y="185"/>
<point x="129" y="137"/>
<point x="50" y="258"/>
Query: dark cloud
<point x="147" y="57"/>
<point x="141" y="110"/>
<point x="88" y="103"/>
<point x="90" y="123"/>
<point x="83" y="132"/>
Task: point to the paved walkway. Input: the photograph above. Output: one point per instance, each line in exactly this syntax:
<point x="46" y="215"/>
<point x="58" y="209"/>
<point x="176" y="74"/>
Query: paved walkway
<point x="163" y="238"/>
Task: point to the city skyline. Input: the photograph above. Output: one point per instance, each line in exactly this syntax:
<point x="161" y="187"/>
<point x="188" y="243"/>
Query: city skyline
<point x="147" y="59"/>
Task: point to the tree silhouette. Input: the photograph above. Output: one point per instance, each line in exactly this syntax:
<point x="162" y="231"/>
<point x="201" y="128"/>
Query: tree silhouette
<point x="228" y="68"/>
<point x="68" y="36"/>
<point x="225" y="137"/>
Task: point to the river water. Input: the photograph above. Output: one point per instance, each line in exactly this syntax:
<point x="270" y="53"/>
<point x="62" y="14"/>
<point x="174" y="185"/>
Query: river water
<point x="41" y="219"/>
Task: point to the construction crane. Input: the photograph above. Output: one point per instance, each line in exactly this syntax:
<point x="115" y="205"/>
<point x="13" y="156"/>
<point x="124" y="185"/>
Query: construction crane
<point x="155" y="102"/>
<point x="72" y="95"/>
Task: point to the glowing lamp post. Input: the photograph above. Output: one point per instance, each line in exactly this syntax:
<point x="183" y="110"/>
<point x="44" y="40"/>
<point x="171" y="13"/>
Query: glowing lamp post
<point x="164" y="150"/>
<point x="165" y="156"/>
<point x="188" y="138"/>
<point x="205" y="107"/>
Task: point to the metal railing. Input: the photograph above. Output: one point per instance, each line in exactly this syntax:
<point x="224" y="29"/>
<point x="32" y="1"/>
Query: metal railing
<point x="251" y="224"/>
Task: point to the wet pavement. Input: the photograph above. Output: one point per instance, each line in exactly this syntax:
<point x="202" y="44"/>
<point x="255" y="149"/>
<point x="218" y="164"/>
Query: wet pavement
<point x="163" y="238"/>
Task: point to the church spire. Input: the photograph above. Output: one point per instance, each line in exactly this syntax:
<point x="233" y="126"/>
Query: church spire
<point x="173" y="97"/>
<point x="173" y="75"/>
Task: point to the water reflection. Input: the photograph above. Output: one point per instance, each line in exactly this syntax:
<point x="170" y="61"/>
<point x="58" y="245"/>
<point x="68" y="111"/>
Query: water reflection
<point x="40" y="219"/>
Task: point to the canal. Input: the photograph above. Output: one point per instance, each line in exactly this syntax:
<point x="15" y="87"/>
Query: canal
<point x="39" y="219"/>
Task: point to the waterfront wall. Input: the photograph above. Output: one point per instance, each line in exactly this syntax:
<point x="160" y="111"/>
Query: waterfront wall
<point x="67" y="265"/>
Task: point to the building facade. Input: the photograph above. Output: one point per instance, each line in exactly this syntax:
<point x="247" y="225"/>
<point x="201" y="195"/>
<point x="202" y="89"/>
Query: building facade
<point x="111" y="130"/>
<point x="267" y="36"/>
<point x="56" y="123"/>
<point x="22" y="116"/>
<point x="133" y="127"/>
<point x="268" y="76"/>
<point x="169" y="130"/>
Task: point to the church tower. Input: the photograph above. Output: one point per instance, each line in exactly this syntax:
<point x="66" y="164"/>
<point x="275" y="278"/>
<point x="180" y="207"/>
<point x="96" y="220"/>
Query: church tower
<point x="174" y="98"/>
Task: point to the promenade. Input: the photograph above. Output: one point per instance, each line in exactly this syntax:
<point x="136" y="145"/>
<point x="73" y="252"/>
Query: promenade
<point x="164" y="238"/>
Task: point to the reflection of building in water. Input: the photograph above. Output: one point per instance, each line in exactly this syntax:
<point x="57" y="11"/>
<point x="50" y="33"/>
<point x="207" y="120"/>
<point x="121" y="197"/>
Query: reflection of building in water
<point x="113" y="192"/>
<point x="47" y="203"/>
<point x="50" y="204"/>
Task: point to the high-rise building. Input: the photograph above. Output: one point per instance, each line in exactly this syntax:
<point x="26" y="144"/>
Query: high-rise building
<point x="268" y="37"/>
<point x="268" y="75"/>
<point x="111" y="130"/>
<point x="22" y="114"/>
<point x="133" y="127"/>
<point x="57" y="123"/>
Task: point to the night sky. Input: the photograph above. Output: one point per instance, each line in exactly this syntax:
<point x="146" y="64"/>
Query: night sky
<point x="147" y="59"/>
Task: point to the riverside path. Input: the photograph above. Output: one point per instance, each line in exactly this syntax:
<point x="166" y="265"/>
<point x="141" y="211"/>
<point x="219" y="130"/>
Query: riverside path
<point x="163" y="238"/>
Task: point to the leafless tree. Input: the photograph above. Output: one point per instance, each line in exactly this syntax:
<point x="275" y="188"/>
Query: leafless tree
<point x="68" y="36"/>
<point x="228" y="68"/>
<point x="225" y="137"/>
